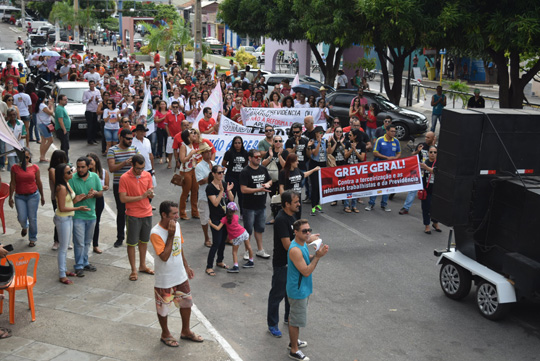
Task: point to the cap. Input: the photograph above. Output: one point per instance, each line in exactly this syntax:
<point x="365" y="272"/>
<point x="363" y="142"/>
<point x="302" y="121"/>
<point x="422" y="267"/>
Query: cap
<point x="318" y="129"/>
<point x="477" y="91"/>
<point x="182" y="82"/>
<point x="232" y="206"/>
<point x="322" y="88"/>
<point x="204" y="147"/>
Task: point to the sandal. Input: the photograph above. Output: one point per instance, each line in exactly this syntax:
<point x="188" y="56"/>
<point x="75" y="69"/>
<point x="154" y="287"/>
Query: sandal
<point x="66" y="281"/>
<point x="170" y="341"/>
<point x="32" y="244"/>
<point x="71" y="274"/>
<point x="210" y="272"/>
<point x="6" y="332"/>
<point x="333" y="204"/>
<point x="192" y="337"/>
<point x="97" y="250"/>
<point x="355" y="210"/>
<point x="347" y="210"/>
<point x="133" y="276"/>
<point x="222" y="265"/>
<point x="208" y="244"/>
<point x="147" y="271"/>
<point x="437" y="229"/>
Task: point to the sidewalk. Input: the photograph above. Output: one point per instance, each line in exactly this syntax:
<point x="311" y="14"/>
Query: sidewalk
<point x="102" y="316"/>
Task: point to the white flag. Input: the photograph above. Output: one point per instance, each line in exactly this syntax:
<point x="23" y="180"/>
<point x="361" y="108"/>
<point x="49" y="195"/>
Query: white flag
<point x="296" y="81"/>
<point x="214" y="101"/>
<point x="165" y="93"/>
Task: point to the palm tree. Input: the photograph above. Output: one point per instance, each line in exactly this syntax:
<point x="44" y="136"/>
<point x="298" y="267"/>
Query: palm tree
<point x="167" y="37"/>
<point x="62" y="13"/>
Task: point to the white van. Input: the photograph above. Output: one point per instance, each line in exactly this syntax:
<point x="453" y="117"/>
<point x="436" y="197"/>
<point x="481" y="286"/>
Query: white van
<point x="6" y="11"/>
<point x="37" y="24"/>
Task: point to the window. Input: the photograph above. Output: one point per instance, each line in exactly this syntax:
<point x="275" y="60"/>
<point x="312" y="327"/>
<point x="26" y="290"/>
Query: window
<point x="343" y="100"/>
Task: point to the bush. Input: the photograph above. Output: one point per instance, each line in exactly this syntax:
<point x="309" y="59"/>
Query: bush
<point x="145" y="50"/>
<point x="187" y="64"/>
<point x="204" y="64"/>
<point x="189" y="48"/>
<point x="243" y="58"/>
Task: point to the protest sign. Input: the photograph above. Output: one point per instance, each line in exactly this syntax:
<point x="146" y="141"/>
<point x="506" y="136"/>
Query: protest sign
<point x="230" y="127"/>
<point x="278" y="117"/>
<point x="223" y="143"/>
<point x="369" y="179"/>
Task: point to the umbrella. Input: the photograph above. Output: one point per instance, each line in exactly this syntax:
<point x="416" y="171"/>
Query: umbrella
<point x="51" y="62"/>
<point x="50" y="53"/>
<point x="307" y="90"/>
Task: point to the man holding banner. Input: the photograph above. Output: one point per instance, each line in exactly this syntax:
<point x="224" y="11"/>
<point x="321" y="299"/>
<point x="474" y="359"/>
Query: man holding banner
<point x="208" y="125"/>
<point x="386" y="148"/>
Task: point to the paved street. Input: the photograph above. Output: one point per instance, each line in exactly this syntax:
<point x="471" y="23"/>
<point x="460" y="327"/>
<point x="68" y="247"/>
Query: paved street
<point x="376" y="296"/>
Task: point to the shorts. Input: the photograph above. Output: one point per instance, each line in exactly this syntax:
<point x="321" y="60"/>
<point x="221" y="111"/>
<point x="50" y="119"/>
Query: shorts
<point x="44" y="131"/>
<point x="111" y="135"/>
<point x="168" y="148"/>
<point x="240" y="239"/>
<point x="204" y="212"/>
<point x="298" y="313"/>
<point x="180" y="295"/>
<point x="254" y="218"/>
<point x="138" y="230"/>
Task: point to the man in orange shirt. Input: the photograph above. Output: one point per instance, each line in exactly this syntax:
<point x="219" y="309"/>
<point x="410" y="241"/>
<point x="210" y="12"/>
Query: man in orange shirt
<point x="208" y="125"/>
<point x="135" y="190"/>
<point x="236" y="111"/>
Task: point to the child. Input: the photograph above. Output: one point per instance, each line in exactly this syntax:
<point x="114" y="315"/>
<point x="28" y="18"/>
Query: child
<point x="237" y="234"/>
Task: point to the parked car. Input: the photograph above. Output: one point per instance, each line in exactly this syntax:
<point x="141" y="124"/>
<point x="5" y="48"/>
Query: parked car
<point x="407" y="122"/>
<point x="6" y="11"/>
<point x="27" y="19"/>
<point x="51" y="37"/>
<point x="273" y="79"/>
<point x="74" y="91"/>
<point x="35" y="41"/>
<point x="259" y="54"/>
<point x="15" y="55"/>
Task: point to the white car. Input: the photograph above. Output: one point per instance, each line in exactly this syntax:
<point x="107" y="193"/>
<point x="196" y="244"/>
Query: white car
<point x="259" y="54"/>
<point x="74" y="91"/>
<point x="15" y="55"/>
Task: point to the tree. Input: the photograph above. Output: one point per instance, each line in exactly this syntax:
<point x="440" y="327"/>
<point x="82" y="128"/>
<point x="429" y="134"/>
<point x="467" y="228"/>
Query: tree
<point x="396" y="28"/>
<point x="509" y="31"/>
<point x="316" y="21"/>
<point x="167" y="37"/>
<point x="62" y="12"/>
<point x="166" y="13"/>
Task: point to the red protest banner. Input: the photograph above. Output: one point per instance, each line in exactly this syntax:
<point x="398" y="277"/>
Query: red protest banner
<point x="369" y="179"/>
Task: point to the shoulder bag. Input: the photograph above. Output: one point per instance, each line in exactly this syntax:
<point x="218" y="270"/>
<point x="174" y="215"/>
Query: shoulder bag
<point x="177" y="178"/>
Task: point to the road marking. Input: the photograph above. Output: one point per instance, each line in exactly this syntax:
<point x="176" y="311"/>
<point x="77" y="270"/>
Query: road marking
<point x="15" y="30"/>
<point x="226" y="346"/>
<point x="360" y="234"/>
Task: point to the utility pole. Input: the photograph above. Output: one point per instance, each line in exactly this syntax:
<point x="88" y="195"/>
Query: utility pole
<point x="23" y="15"/>
<point x="198" y="32"/>
<point x="76" y="26"/>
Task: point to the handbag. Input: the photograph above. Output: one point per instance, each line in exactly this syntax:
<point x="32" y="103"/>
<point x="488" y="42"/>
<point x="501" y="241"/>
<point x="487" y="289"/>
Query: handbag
<point x="422" y="194"/>
<point x="177" y="178"/>
<point x="330" y="160"/>
<point x="273" y="171"/>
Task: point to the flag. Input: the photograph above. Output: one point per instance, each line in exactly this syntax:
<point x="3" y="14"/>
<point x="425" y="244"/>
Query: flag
<point x="213" y="74"/>
<point x="296" y="81"/>
<point x="165" y="93"/>
<point x="214" y="101"/>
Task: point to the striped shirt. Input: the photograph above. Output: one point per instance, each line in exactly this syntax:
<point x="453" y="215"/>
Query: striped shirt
<point x="119" y="155"/>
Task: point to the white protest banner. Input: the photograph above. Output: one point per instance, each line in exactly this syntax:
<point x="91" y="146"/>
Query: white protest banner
<point x="164" y="92"/>
<point x="214" y="101"/>
<point x="146" y="114"/>
<point x="278" y="117"/>
<point x="230" y="127"/>
<point x="222" y="143"/>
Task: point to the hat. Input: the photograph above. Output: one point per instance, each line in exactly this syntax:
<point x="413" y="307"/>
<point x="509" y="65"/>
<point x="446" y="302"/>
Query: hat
<point x="204" y="147"/>
<point x="322" y="88"/>
<point x="182" y="82"/>
<point x="140" y="127"/>
<point x="318" y="129"/>
<point x="477" y="91"/>
<point x="73" y="66"/>
<point x="232" y="206"/>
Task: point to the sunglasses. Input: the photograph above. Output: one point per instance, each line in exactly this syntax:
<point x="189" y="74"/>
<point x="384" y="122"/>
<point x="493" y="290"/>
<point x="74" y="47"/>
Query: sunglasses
<point x="269" y="130"/>
<point x="307" y="230"/>
<point x="297" y="132"/>
<point x="278" y="141"/>
<point x="432" y="152"/>
<point x="69" y="171"/>
<point x="220" y="172"/>
<point x="257" y="156"/>
<point x="129" y="138"/>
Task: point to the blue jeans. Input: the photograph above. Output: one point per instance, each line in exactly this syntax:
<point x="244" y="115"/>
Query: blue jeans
<point x="410" y="199"/>
<point x="153" y="143"/>
<point x="33" y="127"/>
<point x="27" y="207"/>
<point x="350" y="203"/>
<point x="277" y="293"/>
<point x="12" y="159"/>
<point x="384" y="200"/>
<point x="434" y="119"/>
<point x="83" y="233"/>
<point x="64" y="226"/>
<point x="161" y="142"/>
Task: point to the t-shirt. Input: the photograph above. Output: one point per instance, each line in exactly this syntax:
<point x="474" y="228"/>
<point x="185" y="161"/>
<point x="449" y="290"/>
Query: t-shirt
<point x="25" y="182"/>
<point x="339" y="151"/>
<point x="205" y="125"/>
<point x="423" y="154"/>
<point x="236" y="161"/>
<point x="293" y="181"/>
<point x="275" y="157"/>
<point x="387" y="148"/>
<point x="254" y="178"/>
<point x="202" y="170"/>
<point x="234" y="112"/>
<point x="234" y="229"/>
<point x="41" y="116"/>
<point x="119" y="155"/>
<point x="301" y="150"/>
<point x="114" y="116"/>
<point x="216" y="213"/>
<point x="361" y="148"/>
<point x="437" y="109"/>
<point x="283" y="228"/>
<point x="174" y="122"/>
<point x="81" y="186"/>
<point x="171" y="273"/>
<point x="24" y="103"/>
<point x="60" y="112"/>
<point x="135" y="186"/>
<point x="263" y="145"/>
<point x="145" y="148"/>
<point x="321" y="156"/>
<point x="298" y="286"/>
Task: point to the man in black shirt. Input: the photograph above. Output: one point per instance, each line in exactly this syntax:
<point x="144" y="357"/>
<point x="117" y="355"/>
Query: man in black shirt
<point x="283" y="234"/>
<point x="299" y="145"/>
<point x="476" y="101"/>
<point x="255" y="183"/>
<point x="380" y="131"/>
<point x="310" y="128"/>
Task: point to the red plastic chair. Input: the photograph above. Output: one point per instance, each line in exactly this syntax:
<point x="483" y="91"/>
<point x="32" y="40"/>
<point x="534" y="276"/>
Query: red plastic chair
<point x="4" y="193"/>
<point x="21" y="281"/>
